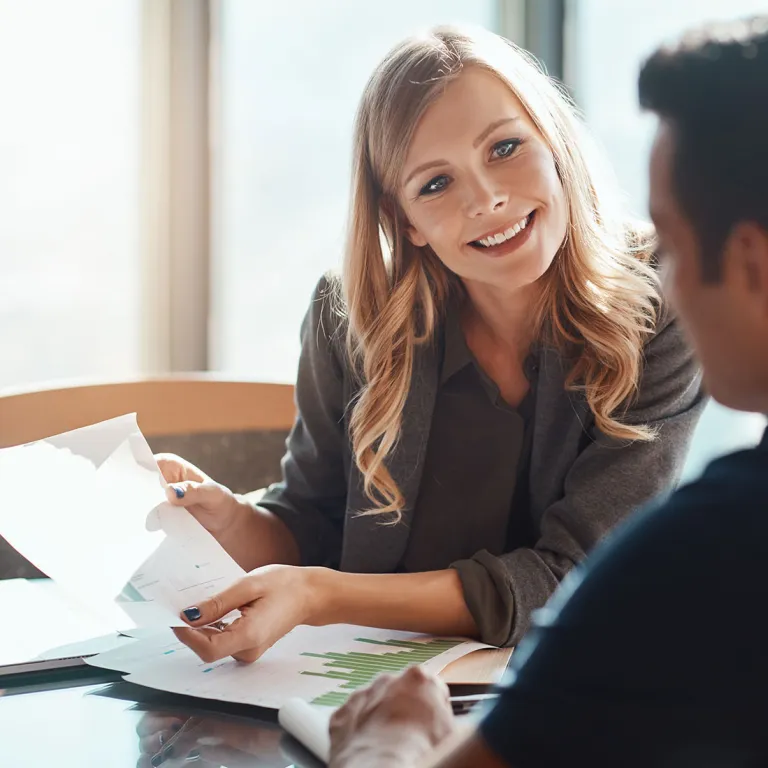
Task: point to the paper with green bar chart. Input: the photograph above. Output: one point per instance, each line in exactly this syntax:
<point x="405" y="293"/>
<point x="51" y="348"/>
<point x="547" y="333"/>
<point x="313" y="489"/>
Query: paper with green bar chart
<point x="321" y="665"/>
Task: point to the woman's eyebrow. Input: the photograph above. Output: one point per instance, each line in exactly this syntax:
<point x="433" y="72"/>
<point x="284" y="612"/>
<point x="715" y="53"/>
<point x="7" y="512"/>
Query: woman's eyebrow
<point x="491" y="128"/>
<point x="425" y="167"/>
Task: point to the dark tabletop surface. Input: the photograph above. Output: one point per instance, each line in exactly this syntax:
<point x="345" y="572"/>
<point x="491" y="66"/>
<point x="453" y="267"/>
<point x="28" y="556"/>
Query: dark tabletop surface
<point x="89" y="717"/>
<point x="121" y="725"/>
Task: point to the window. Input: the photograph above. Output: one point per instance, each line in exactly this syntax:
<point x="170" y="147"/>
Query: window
<point x="69" y="154"/>
<point x="290" y="76"/>
<point x="608" y="36"/>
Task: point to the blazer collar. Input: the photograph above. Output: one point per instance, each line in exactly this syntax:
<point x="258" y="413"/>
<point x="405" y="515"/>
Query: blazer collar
<point x="372" y="543"/>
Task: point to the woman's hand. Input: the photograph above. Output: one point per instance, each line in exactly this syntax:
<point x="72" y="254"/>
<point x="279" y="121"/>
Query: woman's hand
<point x="395" y="721"/>
<point x="214" y="506"/>
<point x="253" y="536"/>
<point x="272" y="600"/>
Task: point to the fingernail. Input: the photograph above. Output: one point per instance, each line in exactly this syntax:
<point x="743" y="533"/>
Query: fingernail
<point x="193" y="613"/>
<point x="178" y="491"/>
<point x="192" y="756"/>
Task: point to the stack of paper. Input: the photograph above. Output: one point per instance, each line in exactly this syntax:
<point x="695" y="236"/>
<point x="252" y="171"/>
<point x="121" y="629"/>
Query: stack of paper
<point x="88" y="508"/>
<point x="321" y="665"/>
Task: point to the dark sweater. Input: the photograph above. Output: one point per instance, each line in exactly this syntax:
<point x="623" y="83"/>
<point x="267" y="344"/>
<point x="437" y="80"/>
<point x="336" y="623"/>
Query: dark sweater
<point x="655" y="654"/>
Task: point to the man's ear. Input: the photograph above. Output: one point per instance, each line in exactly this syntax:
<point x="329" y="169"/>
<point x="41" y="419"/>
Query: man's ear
<point x="392" y="211"/>
<point x="746" y="259"/>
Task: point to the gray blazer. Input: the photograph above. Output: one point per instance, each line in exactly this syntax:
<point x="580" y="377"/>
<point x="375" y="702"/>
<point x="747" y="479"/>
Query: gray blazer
<point x="581" y="483"/>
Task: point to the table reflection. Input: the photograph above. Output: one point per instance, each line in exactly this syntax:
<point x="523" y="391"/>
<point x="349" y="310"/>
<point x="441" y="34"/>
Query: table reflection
<point x="123" y="725"/>
<point x="171" y="740"/>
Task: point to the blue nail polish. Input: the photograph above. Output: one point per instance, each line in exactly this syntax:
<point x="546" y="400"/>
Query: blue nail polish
<point x="192" y="756"/>
<point x="193" y="613"/>
<point x="178" y="491"/>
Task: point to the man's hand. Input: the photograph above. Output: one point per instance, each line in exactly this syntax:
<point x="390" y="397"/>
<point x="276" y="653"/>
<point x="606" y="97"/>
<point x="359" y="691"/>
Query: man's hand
<point x="393" y="722"/>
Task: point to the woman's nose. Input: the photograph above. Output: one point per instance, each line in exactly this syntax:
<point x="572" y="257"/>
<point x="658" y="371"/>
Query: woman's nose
<point x="484" y="196"/>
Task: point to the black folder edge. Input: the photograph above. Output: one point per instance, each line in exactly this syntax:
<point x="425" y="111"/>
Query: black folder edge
<point x="48" y="679"/>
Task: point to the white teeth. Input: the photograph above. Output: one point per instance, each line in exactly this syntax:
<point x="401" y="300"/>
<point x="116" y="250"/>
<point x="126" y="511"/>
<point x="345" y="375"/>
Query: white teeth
<point x="502" y="236"/>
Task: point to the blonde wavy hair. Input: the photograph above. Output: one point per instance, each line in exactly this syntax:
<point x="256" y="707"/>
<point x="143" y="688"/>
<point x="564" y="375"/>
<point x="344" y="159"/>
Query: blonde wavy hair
<point x="599" y="299"/>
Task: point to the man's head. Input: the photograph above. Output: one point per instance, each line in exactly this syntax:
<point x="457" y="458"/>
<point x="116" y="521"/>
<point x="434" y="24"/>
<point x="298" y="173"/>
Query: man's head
<point x="709" y="198"/>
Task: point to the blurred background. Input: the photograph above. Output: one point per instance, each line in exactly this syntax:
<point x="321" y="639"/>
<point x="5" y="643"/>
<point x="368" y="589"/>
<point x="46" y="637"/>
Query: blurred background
<point x="174" y="173"/>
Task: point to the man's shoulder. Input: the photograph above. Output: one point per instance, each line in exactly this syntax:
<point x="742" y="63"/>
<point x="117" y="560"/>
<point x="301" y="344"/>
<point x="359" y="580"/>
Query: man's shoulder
<point x="707" y="536"/>
<point x="736" y="484"/>
<point x="731" y="491"/>
<point x="719" y="521"/>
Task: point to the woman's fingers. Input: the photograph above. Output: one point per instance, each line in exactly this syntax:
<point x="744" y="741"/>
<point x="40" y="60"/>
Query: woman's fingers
<point x="175" y="469"/>
<point x="238" y="595"/>
<point x="201" y="642"/>
<point x="272" y="601"/>
<point x="247" y="637"/>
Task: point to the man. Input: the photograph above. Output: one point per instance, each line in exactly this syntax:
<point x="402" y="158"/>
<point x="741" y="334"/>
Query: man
<point x="655" y="654"/>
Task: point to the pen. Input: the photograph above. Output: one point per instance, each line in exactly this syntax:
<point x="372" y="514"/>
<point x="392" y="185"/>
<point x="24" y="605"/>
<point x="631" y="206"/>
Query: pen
<point x="463" y="704"/>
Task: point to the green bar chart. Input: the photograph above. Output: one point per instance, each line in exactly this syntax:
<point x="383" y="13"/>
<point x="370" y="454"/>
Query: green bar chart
<point x="356" y="669"/>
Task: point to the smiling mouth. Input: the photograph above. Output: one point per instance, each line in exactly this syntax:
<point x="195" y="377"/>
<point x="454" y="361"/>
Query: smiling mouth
<point x="508" y="234"/>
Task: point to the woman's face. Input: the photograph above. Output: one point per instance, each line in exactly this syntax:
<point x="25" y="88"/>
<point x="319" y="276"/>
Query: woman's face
<point x="480" y="187"/>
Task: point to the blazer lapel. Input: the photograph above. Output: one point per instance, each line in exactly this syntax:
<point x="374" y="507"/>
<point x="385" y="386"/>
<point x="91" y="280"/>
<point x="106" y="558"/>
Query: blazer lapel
<point x="371" y="545"/>
<point x="555" y="407"/>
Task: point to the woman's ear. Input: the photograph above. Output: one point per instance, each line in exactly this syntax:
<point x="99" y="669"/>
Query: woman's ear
<point x="415" y="236"/>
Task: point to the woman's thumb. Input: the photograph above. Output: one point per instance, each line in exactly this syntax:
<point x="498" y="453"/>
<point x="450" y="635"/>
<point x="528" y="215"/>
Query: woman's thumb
<point x="189" y="493"/>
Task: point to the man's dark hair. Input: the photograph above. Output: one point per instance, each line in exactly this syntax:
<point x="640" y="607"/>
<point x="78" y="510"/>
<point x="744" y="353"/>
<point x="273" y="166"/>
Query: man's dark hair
<point x="712" y="88"/>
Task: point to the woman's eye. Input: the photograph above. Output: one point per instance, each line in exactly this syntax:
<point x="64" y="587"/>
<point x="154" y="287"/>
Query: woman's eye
<point x="505" y="148"/>
<point x="433" y="186"/>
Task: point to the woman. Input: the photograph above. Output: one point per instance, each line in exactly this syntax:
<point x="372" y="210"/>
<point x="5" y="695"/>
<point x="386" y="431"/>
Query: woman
<point x="480" y="401"/>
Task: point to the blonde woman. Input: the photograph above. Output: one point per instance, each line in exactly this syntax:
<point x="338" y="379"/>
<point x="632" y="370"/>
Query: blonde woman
<point x="490" y="386"/>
